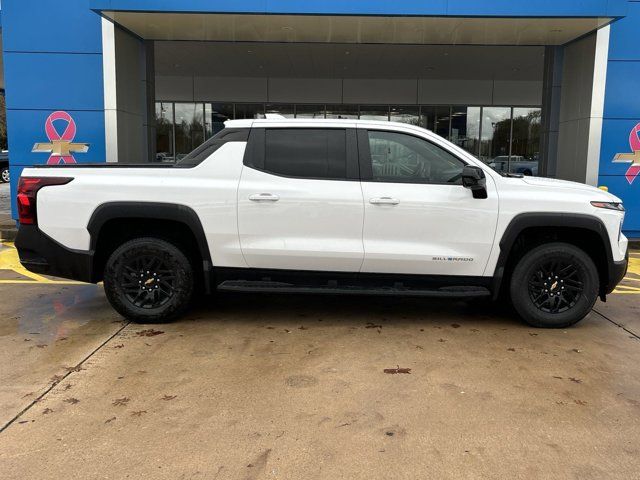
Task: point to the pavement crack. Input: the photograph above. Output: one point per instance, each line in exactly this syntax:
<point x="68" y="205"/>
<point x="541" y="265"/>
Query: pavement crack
<point x="61" y="378"/>
<point x="630" y="332"/>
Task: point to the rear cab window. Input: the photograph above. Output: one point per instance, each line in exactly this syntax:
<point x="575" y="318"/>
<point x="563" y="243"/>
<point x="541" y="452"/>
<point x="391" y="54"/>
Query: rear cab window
<point x="309" y="153"/>
<point x="204" y="151"/>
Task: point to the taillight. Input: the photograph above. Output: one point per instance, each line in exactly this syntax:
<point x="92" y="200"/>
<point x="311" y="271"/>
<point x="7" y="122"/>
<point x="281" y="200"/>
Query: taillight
<point x="27" y="190"/>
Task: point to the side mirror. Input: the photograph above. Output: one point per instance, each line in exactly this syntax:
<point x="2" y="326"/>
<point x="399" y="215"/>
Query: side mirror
<point x="473" y="178"/>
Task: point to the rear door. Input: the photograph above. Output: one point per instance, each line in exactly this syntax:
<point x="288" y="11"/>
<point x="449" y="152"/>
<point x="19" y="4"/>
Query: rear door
<point x="419" y="219"/>
<point x="300" y="203"/>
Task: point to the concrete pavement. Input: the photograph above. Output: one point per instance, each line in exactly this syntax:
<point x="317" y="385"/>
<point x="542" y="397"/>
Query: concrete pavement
<point x="265" y="387"/>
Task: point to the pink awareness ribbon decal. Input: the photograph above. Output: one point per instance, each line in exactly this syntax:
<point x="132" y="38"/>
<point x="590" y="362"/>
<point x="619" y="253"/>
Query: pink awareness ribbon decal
<point x="67" y="136"/>
<point x="633" y="158"/>
<point x="60" y="147"/>
<point x="634" y="143"/>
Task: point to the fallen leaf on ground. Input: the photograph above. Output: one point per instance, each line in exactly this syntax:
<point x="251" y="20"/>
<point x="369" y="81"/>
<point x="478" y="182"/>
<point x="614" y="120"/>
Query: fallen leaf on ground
<point x="394" y="371"/>
<point x="150" y="332"/>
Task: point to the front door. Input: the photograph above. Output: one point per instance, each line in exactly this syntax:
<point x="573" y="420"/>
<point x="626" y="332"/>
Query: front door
<point x="300" y="203"/>
<point x="419" y="219"/>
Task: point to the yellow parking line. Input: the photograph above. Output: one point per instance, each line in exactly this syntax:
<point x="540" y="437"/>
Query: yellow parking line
<point x="38" y="282"/>
<point x="9" y="260"/>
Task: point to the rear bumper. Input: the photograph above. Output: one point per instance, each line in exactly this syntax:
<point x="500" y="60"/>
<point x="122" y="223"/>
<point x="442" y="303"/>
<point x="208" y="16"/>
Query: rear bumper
<point x="41" y="254"/>
<point x="617" y="271"/>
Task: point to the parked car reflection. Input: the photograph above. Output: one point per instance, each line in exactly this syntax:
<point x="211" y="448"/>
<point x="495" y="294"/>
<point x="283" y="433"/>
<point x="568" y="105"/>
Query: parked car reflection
<point x="517" y="164"/>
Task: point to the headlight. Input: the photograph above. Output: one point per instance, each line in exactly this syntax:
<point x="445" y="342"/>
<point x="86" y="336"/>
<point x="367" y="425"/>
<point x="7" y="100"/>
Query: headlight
<point x="609" y="205"/>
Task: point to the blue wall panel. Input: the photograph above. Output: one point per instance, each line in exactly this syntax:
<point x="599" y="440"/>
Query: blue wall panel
<point x="89" y="125"/>
<point x="622" y="113"/>
<point x="622" y="98"/>
<point x="623" y="33"/>
<point x="538" y="8"/>
<point x="50" y="26"/>
<point x="54" y="81"/>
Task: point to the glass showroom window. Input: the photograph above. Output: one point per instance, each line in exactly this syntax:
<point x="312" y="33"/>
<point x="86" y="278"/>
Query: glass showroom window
<point x="494" y="137"/>
<point x="189" y="127"/>
<point x="408" y="114"/>
<point x="525" y="141"/>
<point x="437" y="119"/>
<point x="465" y="128"/>
<point x="309" y="111"/>
<point x="164" y="132"/>
<point x="249" y="110"/>
<point x="342" y="111"/>
<point x="215" y="114"/>
<point x="374" y="112"/>
<point x="286" y="111"/>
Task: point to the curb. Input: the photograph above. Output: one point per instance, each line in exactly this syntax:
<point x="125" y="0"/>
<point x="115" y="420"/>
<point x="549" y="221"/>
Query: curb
<point x="8" y="233"/>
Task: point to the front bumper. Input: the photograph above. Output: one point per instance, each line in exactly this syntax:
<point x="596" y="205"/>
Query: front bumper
<point x="617" y="271"/>
<point x="41" y="254"/>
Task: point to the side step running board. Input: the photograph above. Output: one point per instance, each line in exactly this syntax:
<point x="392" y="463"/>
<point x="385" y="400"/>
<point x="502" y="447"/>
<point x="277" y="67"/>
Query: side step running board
<point x="280" y="287"/>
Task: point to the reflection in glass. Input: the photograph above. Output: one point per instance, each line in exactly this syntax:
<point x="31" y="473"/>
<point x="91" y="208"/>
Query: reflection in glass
<point x="465" y="128"/>
<point x="309" y="111"/>
<point x="525" y="142"/>
<point x="495" y="133"/>
<point x="407" y="114"/>
<point x="164" y="132"/>
<point x="280" y="109"/>
<point x="374" y="112"/>
<point x="189" y="127"/>
<point x="249" y="110"/>
<point x="436" y="118"/>
<point x="342" y="111"/>
<point x="215" y="114"/>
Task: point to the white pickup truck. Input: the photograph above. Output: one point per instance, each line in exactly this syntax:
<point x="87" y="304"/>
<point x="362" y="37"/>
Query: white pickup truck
<point x="328" y="206"/>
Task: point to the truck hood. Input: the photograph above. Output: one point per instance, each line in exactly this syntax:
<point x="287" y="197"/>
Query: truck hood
<point x="556" y="183"/>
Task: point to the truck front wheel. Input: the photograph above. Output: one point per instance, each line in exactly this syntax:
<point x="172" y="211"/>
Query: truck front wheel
<point x="554" y="285"/>
<point x="149" y="280"/>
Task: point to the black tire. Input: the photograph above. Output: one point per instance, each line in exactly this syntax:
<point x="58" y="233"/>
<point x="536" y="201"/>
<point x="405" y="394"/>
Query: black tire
<point x="4" y="175"/>
<point x="164" y="276"/>
<point x="554" y="299"/>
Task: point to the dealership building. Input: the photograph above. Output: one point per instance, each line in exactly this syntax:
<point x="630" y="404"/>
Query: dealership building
<point x="541" y="87"/>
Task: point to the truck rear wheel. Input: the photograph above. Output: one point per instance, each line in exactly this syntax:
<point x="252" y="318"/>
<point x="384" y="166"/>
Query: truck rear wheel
<point x="149" y="280"/>
<point x="554" y="285"/>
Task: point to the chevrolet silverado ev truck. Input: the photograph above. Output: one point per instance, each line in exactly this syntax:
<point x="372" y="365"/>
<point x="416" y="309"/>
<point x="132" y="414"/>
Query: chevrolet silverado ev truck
<point x="328" y="206"/>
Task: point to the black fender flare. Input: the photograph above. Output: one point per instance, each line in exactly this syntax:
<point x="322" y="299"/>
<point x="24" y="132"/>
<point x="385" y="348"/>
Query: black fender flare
<point x="546" y="219"/>
<point x="155" y="211"/>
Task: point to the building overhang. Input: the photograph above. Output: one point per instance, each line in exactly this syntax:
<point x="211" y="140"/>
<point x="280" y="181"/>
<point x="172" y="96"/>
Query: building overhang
<point x="417" y="30"/>
<point x="491" y="22"/>
<point x="437" y="8"/>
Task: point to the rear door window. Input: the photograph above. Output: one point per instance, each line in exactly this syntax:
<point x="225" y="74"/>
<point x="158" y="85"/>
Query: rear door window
<point x="306" y="153"/>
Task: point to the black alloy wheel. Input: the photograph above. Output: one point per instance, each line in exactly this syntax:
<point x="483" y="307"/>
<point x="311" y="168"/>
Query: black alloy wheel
<point x="149" y="280"/>
<point x="554" y="285"/>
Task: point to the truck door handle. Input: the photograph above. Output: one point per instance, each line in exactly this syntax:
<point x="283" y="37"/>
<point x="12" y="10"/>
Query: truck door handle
<point x="384" y="201"/>
<point x="264" y="197"/>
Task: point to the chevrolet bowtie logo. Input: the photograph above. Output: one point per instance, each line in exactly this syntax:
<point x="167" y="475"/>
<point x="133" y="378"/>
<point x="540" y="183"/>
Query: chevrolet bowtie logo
<point x="61" y="148"/>
<point x="60" y="145"/>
